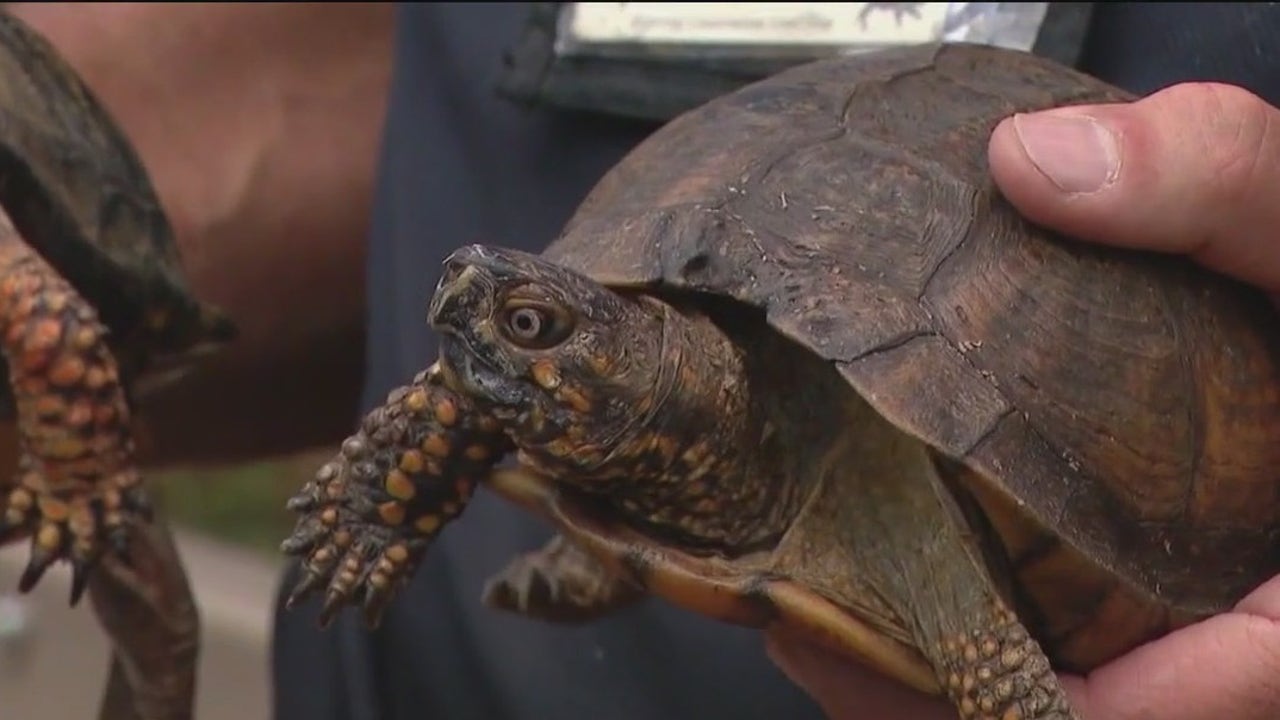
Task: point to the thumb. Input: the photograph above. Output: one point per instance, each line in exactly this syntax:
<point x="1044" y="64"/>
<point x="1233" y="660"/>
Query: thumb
<point x="1192" y="169"/>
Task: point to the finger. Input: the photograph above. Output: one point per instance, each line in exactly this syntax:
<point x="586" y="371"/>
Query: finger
<point x="1263" y="602"/>
<point x="1192" y="169"/>
<point x="1225" y="667"/>
<point x="846" y="690"/>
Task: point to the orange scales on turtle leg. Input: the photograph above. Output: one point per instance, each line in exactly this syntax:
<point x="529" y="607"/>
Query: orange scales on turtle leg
<point x="77" y="485"/>
<point x="370" y="513"/>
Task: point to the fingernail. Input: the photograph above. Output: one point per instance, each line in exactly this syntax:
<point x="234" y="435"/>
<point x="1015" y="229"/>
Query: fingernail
<point x="1074" y="152"/>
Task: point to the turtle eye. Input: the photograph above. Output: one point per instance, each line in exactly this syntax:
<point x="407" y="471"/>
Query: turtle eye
<point x="525" y="323"/>
<point x="534" y="327"/>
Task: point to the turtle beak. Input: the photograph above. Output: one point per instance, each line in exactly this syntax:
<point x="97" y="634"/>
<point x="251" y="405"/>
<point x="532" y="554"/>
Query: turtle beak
<point x="463" y="294"/>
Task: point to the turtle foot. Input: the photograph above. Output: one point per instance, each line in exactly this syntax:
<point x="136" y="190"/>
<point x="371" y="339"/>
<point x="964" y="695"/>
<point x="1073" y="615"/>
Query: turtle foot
<point x="77" y="527"/>
<point x="363" y="571"/>
<point x="370" y="513"/>
<point x="559" y="582"/>
<point x="77" y="485"/>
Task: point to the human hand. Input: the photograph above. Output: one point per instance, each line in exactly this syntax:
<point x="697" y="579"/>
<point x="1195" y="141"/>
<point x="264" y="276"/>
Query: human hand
<point x="1193" y="169"/>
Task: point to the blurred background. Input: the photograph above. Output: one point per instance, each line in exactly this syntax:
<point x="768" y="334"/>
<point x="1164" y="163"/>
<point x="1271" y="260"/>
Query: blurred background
<point x="229" y="524"/>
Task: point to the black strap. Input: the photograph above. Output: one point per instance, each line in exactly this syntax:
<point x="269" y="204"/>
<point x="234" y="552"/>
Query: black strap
<point x="1062" y="36"/>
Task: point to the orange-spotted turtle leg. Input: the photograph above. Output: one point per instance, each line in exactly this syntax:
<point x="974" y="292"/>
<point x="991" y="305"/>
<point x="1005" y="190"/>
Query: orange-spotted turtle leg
<point x="986" y="661"/>
<point x="77" y="488"/>
<point x="918" y="552"/>
<point x="560" y="582"/>
<point x="996" y="670"/>
<point x="370" y="513"/>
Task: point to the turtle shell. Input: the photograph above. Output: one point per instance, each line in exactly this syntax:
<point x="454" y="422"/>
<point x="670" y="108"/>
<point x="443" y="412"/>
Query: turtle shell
<point x="1124" y="404"/>
<point x="78" y="194"/>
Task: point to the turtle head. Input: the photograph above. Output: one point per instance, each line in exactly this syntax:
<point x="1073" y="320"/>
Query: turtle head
<point x="568" y="364"/>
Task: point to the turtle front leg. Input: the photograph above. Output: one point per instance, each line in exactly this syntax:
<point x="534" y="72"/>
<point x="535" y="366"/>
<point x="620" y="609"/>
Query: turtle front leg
<point x="370" y="513"/>
<point x="559" y="582"/>
<point x="77" y="488"/>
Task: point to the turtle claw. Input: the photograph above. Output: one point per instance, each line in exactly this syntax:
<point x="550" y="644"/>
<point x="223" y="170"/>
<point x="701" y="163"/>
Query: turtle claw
<point x="80" y="571"/>
<point x="300" y="503"/>
<point x="78" y="529"/>
<point x="340" y="587"/>
<point x="37" y="564"/>
<point x="311" y="582"/>
<point x="374" y="606"/>
<point x="77" y="488"/>
<point x="333" y="603"/>
<point x="302" y="540"/>
<point x="369" y="514"/>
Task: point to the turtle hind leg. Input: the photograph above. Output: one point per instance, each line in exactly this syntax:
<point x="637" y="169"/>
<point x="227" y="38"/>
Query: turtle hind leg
<point x="77" y="486"/>
<point x="985" y="659"/>
<point x="887" y="533"/>
<point x="559" y="582"/>
<point x="997" y="670"/>
<point x="370" y="513"/>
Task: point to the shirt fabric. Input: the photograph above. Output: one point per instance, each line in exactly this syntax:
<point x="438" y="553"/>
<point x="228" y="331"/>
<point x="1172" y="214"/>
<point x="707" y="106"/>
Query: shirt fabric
<point x="460" y="165"/>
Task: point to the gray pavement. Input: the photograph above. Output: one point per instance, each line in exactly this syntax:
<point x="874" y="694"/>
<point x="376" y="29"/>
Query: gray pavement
<point x="53" y="659"/>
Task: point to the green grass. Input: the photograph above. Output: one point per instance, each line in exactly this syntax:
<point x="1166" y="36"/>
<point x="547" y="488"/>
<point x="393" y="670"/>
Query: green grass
<point x="243" y="505"/>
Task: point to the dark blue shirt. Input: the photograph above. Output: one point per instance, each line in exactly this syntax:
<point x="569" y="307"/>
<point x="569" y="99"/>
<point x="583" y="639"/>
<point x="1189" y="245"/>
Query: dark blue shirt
<point x="460" y="165"/>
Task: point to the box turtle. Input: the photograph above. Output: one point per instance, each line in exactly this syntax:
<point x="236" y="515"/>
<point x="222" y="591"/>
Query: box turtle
<point x="92" y="307"/>
<point x="795" y="360"/>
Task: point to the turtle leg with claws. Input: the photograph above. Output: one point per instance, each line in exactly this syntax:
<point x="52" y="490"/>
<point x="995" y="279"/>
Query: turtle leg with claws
<point x="560" y="582"/>
<point x="370" y="513"/>
<point x="77" y="488"/>
<point x="78" y="493"/>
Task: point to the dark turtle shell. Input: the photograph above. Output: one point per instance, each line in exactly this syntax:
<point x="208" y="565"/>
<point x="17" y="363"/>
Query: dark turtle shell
<point x="1127" y="404"/>
<point x="79" y="195"/>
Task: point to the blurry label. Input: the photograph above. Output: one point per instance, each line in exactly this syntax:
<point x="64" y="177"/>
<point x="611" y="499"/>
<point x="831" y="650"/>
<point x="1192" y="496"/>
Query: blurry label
<point x="841" y="24"/>
<point x="656" y="60"/>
